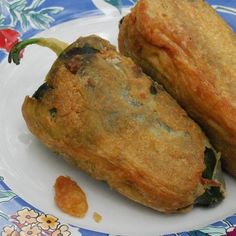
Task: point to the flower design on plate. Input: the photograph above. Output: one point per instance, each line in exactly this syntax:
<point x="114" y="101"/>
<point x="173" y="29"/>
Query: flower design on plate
<point x="112" y="7"/>
<point x="27" y="15"/>
<point x="8" y="38"/>
<point x="118" y="3"/>
<point x="62" y="231"/>
<point x="30" y="230"/>
<point x="21" y="16"/>
<point x="28" y="221"/>
<point x="229" y="10"/>
<point x="6" y="195"/>
<point x="220" y="228"/>
<point x="47" y="222"/>
<point x="27" y="216"/>
<point x="231" y="231"/>
<point x="9" y="231"/>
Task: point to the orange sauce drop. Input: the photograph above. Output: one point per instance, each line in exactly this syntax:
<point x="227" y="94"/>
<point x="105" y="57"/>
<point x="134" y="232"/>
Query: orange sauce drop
<point x="70" y="198"/>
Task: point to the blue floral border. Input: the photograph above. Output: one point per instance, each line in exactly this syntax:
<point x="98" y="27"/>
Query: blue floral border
<point x="36" y="16"/>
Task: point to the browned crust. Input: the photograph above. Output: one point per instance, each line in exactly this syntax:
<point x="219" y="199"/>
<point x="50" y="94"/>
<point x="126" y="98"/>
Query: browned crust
<point x="194" y="58"/>
<point x="157" y="162"/>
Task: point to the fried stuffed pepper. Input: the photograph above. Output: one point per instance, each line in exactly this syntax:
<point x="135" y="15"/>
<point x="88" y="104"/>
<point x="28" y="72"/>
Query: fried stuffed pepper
<point x="104" y="115"/>
<point x="191" y="51"/>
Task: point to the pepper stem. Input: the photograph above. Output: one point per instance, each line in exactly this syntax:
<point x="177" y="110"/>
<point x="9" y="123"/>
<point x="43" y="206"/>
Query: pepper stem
<point x="54" y="44"/>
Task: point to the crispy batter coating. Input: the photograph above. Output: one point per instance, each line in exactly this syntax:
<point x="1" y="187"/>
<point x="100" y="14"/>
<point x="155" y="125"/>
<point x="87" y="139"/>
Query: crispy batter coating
<point x="189" y="49"/>
<point x="69" y="197"/>
<point x="105" y="116"/>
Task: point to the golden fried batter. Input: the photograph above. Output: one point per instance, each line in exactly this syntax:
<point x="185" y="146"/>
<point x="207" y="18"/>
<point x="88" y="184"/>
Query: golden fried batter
<point x="188" y="48"/>
<point x="105" y="116"/>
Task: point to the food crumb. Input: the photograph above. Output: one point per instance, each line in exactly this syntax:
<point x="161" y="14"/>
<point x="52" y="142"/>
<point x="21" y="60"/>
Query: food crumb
<point x="97" y="217"/>
<point x="70" y="198"/>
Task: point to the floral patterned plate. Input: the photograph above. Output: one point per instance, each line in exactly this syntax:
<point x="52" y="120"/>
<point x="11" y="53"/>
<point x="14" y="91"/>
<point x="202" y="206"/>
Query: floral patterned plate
<point x="28" y="170"/>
